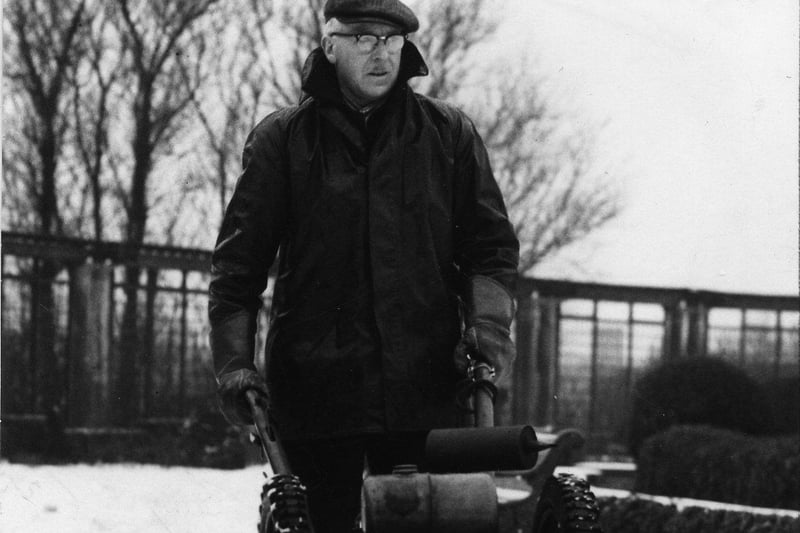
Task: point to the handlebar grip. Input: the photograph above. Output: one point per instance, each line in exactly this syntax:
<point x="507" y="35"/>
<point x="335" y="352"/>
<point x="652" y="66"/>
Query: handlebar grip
<point x="267" y="434"/>
<point x="483" y="397"/>
<point x="482" y="371"/>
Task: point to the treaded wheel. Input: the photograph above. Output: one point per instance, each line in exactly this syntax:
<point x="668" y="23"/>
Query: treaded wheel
<point x="566" y="505"/>
<point x="284" y="506"/>
<point x="265" y="524"/>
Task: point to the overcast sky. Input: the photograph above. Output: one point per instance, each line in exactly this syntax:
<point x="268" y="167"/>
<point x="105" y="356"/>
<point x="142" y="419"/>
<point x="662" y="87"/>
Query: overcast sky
<point x="701" y="103"/>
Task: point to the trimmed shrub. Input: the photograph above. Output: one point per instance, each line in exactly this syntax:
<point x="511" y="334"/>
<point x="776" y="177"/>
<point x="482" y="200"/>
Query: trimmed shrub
<point x="720" y="465"/>
<point x="783" y="397"/>
<point x="206" y="439"/>
<point x="697" y="390"/>
<point x="203" y="439"/>
<point x="632" y="515"/>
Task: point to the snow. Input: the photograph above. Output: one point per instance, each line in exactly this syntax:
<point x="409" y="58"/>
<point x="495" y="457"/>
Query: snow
<point x="682" y="503"/>
<point x="128" y="498"/>
<point x="616" y="466"/>
<point x="124" y="498"/>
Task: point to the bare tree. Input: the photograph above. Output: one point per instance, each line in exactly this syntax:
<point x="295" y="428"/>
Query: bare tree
<point x="450" y="31"/>
<point x="93" y="90"/>
<point x="255" y="69"/>
<point x="553" y="193"/>
<point x="43" y="42"/>
<point x="233" y="94"/>
<point x="20" y="164"/>
<point x="296" y="30"/>
<point x="161" y="77"/>
<point x="155" y="34"/>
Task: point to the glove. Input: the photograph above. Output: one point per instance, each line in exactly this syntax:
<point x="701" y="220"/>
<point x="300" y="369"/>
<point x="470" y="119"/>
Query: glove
<point x="489" y="310"/>
<point x="231" y="389"/>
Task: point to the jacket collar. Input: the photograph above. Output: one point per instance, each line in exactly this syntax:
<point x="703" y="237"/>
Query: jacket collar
<point x="319" y="76"/>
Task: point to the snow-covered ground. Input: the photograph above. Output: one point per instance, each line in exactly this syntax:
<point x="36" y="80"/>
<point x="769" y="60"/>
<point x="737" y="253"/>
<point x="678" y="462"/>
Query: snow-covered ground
<point x="132" y="498"/>
<point x="128" y="498"/>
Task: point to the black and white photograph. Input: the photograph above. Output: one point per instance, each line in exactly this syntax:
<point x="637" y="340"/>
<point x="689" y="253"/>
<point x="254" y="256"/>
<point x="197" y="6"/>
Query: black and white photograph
<point x="384" y="266"/>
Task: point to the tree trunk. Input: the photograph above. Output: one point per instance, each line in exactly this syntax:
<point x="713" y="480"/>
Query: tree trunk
<point x="130" y="349"/>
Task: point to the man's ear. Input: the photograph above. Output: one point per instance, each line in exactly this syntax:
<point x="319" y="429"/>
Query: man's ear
<point x="327" y="47"/>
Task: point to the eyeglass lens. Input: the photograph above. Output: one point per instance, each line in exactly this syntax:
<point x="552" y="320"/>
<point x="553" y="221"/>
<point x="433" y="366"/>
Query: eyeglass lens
<point x="367" y="42"/>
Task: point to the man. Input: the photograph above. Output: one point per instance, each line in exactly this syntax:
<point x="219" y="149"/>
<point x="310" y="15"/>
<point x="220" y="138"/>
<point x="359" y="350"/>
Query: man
<point x="383" y="212"/>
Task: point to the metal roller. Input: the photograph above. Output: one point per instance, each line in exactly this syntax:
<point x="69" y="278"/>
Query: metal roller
<point x="482" y="449"/>
<point x="425" y="503"/>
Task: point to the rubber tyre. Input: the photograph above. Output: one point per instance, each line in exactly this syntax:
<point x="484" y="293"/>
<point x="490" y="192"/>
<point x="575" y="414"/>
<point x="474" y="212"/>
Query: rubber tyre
<point x="265" y="524"/>
<point x="283" y="497"/>
<point x="566" y="505"/>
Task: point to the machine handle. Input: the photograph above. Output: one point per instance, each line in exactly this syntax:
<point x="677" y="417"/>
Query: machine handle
<point x="483" y="393"/>
<point x="267" y="435"/>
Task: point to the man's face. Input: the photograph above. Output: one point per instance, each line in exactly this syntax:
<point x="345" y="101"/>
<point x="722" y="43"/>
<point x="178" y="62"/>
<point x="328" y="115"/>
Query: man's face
<point x="364" y="77"/>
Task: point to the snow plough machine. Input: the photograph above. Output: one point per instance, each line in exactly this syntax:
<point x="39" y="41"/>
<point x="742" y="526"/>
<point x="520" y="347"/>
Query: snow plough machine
<point x="481" y="479"/>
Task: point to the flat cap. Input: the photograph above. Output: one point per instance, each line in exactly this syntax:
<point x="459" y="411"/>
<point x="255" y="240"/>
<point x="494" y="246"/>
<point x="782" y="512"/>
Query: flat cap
<point x="392" y="11"/>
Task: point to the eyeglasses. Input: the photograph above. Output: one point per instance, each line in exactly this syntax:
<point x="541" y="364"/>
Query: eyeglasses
<point x="366" y="42"/>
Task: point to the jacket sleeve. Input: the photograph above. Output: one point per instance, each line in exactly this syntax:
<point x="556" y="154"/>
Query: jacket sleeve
<point x="252" y="229"/>
<point x="485" y="242"/>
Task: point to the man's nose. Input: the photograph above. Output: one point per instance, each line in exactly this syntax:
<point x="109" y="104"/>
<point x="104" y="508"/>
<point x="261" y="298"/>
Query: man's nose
<point x="381" y="50"/>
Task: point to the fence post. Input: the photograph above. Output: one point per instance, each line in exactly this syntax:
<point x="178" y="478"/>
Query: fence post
<point x="778" y="346"/>
<point x="149" y="343"/>
<point x="593" y="369"/>
<point x="89" y="364"/>
<point x="673" y="346"/>
<point x="184" y="345"/>
<point x="547" y="361"/>
<point x="697" y="330"/>
<point x="523" y="386"/>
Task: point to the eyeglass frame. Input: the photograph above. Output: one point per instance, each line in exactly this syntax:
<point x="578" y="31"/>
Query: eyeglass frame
<point x="378" y="39"/>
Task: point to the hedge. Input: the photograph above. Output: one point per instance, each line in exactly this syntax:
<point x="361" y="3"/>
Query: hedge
<point x="203" y="439"/>
<point x="783" y="396"/>
<point x="187" y="445"/>
<point x="714" y="464"/>
<point x="632" y="515"/>
<point x="697" y="390"/>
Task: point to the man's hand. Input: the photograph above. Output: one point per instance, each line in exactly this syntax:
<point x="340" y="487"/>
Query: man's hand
<point x="231" y="389"/>
<point x="489" y="310"/>
<point x="489" y="343"/>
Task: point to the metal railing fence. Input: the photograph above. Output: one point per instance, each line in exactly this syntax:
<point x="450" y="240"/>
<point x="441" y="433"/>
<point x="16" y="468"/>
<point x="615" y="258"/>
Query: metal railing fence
<point x="581" y="346"/>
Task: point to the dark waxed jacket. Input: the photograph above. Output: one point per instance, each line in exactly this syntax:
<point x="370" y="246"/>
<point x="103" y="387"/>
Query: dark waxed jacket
<point x="376" y="225"/>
